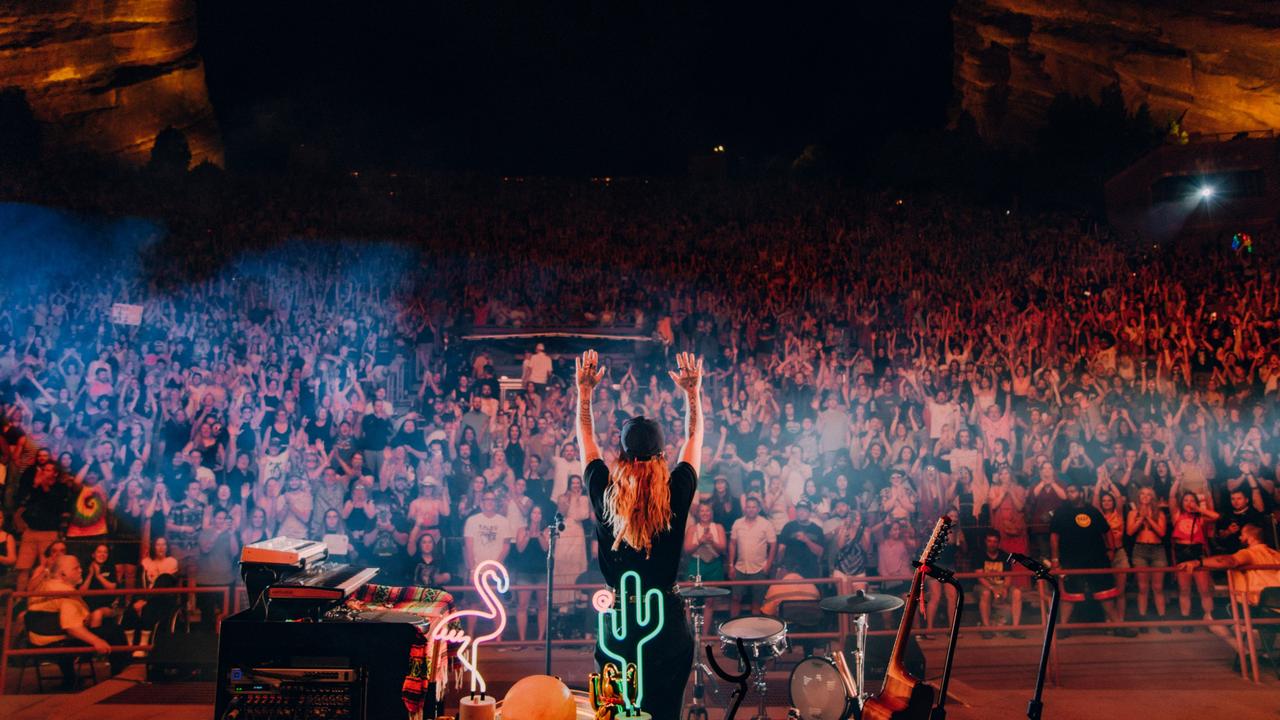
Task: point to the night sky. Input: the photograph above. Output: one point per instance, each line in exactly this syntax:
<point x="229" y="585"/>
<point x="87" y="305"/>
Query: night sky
<point x="567" y="87"/>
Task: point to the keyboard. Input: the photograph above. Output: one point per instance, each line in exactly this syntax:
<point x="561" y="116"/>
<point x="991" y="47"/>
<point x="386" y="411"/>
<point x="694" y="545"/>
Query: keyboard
<point x="324" y="581"/>
<point x="284" y="551"/>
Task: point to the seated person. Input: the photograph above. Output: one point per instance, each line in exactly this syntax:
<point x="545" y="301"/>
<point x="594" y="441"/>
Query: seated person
<point x="995" y="585"/>
<point x="67" y="621"/>
<point x="777" y="594"/>
<point x="48" y="559"/>
<point x="1255" y="582"/>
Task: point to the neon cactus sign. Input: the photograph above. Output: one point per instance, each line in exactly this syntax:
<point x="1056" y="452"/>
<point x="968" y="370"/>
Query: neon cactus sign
<point x="612" y="626"/>
<point x="489" y="578"/>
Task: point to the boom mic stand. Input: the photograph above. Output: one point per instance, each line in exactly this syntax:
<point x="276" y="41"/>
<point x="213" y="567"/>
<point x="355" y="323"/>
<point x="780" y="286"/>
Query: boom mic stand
<point x="1035" y="707"/>
<point x="944" y="575"/>
<point x="555" y="528"/>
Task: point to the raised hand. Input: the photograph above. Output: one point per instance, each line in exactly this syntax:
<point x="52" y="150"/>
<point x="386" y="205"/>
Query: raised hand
<point x="689" y="377"/>
<point x="587" y="369"/>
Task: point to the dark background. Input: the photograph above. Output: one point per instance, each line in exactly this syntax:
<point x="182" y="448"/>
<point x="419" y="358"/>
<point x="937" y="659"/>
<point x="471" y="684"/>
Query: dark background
<point x="603" y="87"/>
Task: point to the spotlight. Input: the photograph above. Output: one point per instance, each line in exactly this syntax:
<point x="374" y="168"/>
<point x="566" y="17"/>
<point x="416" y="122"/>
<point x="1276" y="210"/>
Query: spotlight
<point x="1205" y="192"/>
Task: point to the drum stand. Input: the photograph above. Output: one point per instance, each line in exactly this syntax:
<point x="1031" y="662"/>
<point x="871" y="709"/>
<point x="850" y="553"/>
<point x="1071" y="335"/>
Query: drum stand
<point x="697" y="710"/>
<point x="739" y="679"/>
<point x="761" y="685"/>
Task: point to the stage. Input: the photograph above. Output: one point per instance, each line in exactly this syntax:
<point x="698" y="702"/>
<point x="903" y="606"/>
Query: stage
<point x="1178" y="676"/>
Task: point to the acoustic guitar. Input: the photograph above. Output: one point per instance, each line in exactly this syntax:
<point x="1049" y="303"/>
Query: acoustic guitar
<point x="903" y="697"/>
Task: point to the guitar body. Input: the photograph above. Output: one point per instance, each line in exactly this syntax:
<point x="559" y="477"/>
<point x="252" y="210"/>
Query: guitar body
<point x="904" y="697"/>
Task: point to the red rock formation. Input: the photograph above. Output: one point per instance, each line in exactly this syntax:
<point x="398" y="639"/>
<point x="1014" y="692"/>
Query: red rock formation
<point x="104" y="76"/>
<point x="1217" y="60"/>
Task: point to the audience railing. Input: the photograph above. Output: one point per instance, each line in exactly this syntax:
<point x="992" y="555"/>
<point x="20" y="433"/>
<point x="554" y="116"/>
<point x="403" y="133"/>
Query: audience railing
<point x="1241" y="622"/>
<point x="1238" y="629"/>
<point x="12" y="599"/>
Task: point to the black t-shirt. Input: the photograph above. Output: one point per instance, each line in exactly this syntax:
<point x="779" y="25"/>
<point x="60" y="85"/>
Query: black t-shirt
<point x="1082" y="535"/>
<point x="320" y="432"/>
<point x="1230" y="525"/>
<point x="377" y="430"/>
<point x="659" y="569"/>
<point x="100" y="601"/>
<point x="798" y="556"/>
<point x="44" y="508"/>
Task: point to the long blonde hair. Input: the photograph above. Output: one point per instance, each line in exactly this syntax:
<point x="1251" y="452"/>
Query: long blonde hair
<point x="637" y="502"/>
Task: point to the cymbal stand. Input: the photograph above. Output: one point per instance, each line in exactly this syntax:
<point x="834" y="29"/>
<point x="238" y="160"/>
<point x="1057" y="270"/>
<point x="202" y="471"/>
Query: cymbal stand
<point x="697" y="709"/>
<point x="860" y="659"/>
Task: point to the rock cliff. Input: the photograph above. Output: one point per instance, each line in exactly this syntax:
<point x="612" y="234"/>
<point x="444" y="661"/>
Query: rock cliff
<point x="1218" y="61"/>
<point x="104" y="76"/>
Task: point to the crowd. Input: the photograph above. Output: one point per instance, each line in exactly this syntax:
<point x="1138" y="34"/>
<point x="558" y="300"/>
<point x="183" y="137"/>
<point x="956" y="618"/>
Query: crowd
<point x="873" y="363"/>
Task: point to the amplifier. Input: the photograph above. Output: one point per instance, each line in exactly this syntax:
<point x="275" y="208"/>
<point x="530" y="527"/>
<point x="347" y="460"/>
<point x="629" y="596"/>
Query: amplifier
<point x="302" y="689"/>
<point x="330" y="669"/>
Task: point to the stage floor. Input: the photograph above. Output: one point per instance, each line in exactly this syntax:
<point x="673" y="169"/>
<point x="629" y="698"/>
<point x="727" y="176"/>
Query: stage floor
<point x="1166" y="676"/>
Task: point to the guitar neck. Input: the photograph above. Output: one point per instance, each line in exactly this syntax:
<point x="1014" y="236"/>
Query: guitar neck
<point x="896" y="666"/>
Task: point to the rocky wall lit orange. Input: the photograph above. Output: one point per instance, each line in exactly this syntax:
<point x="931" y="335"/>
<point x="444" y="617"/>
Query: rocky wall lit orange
<point x="1218" y="62"/>
<point x="105" y="76"/>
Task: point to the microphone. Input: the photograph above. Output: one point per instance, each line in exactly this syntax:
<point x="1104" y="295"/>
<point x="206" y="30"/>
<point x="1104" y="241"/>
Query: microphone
<point x="1030" y="563"/>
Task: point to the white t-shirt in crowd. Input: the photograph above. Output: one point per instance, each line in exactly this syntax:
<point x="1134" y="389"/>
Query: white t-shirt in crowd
<point x="153" y="569"/>
<point x="751" y="544"/>
<point x="795" y="475"/>
<point x="940" y="414"/>
<point x="538" y="368"/>
<point x="561" y="469"/>
<point x="833" y="430"/>
<point x="489" y="535"/>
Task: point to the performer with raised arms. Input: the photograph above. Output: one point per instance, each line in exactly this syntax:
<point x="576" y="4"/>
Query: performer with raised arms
<point x="640" y="507"/>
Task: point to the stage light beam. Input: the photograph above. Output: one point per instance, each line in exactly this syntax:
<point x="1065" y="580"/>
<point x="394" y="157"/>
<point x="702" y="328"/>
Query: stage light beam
<point x="1205" y="192"/>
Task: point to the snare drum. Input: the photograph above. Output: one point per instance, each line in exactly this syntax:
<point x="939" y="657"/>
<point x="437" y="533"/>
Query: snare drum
<point x="819" y="691"/>
<point x="764" y="637"/>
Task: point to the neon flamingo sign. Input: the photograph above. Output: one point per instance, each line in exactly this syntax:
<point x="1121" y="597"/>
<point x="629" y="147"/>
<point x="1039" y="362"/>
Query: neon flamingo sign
<point x="489" y="578"/>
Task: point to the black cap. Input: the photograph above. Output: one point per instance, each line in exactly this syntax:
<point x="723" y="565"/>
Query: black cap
<point x="641" y="439"/>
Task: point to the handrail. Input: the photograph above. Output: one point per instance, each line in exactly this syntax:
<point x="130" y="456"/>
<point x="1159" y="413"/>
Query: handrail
<point x="1248" y="655"/>
<point x="191" y="590"/>
<point x="1012" y="572"/>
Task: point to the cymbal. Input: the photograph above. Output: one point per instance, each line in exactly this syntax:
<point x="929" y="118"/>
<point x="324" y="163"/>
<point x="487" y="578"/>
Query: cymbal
<point x="861" y="602"/>
<point x="701" y="591"/>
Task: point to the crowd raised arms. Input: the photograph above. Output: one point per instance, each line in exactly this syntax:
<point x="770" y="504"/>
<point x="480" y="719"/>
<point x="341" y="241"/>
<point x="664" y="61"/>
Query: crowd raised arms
<point x="867" y="365"/>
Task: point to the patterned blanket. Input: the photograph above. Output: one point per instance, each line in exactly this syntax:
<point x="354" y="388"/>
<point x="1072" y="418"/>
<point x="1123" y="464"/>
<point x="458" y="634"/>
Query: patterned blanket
<point x="425" y="662"/>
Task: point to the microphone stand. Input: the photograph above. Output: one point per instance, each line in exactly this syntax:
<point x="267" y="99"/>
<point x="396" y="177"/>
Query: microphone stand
<point x="1035" y="707"/>
<point x="554" y="529"/>
<point x="948" y="577"/>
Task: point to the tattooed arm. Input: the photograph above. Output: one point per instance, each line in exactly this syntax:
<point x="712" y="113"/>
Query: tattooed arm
<point x="588" y="374"/>
<point x="689" y="379"/>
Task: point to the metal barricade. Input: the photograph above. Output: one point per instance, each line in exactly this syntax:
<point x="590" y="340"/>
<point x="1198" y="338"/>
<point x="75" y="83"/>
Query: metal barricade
<point x="1241" y="621"/>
